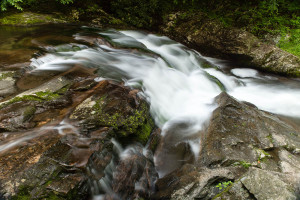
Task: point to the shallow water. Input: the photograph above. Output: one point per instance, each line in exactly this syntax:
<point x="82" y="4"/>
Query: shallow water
<point x="179" y="83"/>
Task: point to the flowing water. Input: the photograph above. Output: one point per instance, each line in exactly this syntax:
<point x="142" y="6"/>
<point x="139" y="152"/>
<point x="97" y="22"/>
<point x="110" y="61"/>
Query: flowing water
<point x="179" y="83"/>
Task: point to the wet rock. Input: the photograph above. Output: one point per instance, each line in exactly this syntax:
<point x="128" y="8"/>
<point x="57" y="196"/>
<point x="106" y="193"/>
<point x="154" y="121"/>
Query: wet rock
<point x="115" y="106"/>
<point x="7" y="83"/>
<point x="236" y="191"/>
<point x="242" y="133"/>
<point x="213" y="38"/>
<point x="55" y="166"/>
<point x="60" y="160"/>
<point x="289" y="163"/>
<point x="265" y="185"/>
<point x="18" y="155"/>
<point x="191" y="182"/>
<point x="135" y="174"/>
<point x="25" y="109"/>
<point x="176" y="146"/>
<point x="154" y="140"/>
<point x="245" y="153"/>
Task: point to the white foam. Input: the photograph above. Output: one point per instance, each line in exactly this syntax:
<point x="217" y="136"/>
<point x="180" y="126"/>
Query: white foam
<point x="245" y="72"/>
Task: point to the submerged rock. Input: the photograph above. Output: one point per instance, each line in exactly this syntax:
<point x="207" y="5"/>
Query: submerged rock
<point x="211" y="37"/>
<point x="135" y="174"/>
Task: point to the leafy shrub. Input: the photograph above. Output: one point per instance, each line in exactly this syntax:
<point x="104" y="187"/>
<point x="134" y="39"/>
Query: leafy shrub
<point x="18" y="4"/>
<point x="140" y="13"/>
<point x="14" y="3"/>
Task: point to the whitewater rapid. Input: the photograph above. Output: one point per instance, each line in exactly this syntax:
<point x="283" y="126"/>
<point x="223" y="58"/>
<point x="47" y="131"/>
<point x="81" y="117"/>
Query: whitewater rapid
<point x="179" y="83"/>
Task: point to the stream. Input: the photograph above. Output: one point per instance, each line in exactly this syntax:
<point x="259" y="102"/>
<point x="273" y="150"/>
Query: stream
<point x="178" y="83"/>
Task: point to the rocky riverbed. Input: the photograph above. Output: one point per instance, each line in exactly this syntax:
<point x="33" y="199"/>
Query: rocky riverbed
<point x="76" y="134"/>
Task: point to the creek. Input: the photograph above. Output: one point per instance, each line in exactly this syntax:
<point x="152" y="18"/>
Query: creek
<point x="178" y="83"/>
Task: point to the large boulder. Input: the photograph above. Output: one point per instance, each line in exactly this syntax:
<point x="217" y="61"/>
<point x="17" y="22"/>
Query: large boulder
<point x="239" y="132"/>
<point x="115" y="106"/>
<point x="246" y="153"/>
<point x="212" y="38"/>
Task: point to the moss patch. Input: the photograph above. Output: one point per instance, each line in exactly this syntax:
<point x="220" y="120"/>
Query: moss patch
<point x="4" y="75"/>
<point x="38" y="96"/>
<point x="291" y="42"/>
<point x="28" y="18"/>
<point x="23" y="193"/>
<point x="28" y="113"/>
<point x="127" y="123"/>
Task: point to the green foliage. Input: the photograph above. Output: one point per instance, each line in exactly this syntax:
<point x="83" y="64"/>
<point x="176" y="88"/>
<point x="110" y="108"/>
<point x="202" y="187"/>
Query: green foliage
<point x="18" y="4"/>
<point x="14" y="3"/>
<point x="270" y="18"/>
<point x="243" y="163"/>
<point x="138" y="13"/>
<point x="65" y="1"/>
<point x="224" y="185"/>
<point x="290" y="41"/>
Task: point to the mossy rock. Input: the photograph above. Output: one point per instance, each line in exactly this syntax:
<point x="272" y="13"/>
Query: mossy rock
<point x="117" y="107"/>
<point x="28" y="18"/>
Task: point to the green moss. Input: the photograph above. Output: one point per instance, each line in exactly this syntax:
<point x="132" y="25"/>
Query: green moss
<point x="145" y="131"/>
<point x="27" y="18"/>
<point x="217" y="81"/>
<point x="138" y="124"/>
<point x="262" y="155"/>
<point x="53" y="196"/>
<point x="4" y="75"/>
<point x="63" y="90"/>
<point x="28" y="113"/>
<point x="270" y="138"/>
<point x="47" y="95"/>
<point x="38" y="96"/>
<point x="294" y="134"/>
<point x="23" y="193"/>
<point x="243" y="163"/>
<point x="290" y="42"/>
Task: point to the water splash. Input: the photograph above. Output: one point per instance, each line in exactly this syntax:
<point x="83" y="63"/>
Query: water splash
<point x="63" y="128"/>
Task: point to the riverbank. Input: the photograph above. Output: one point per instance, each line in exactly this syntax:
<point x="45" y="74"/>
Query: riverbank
<point x="210" y="33"/>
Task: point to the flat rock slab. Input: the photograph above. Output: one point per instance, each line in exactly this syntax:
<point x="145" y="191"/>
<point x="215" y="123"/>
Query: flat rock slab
<point x="267" y="185"/>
